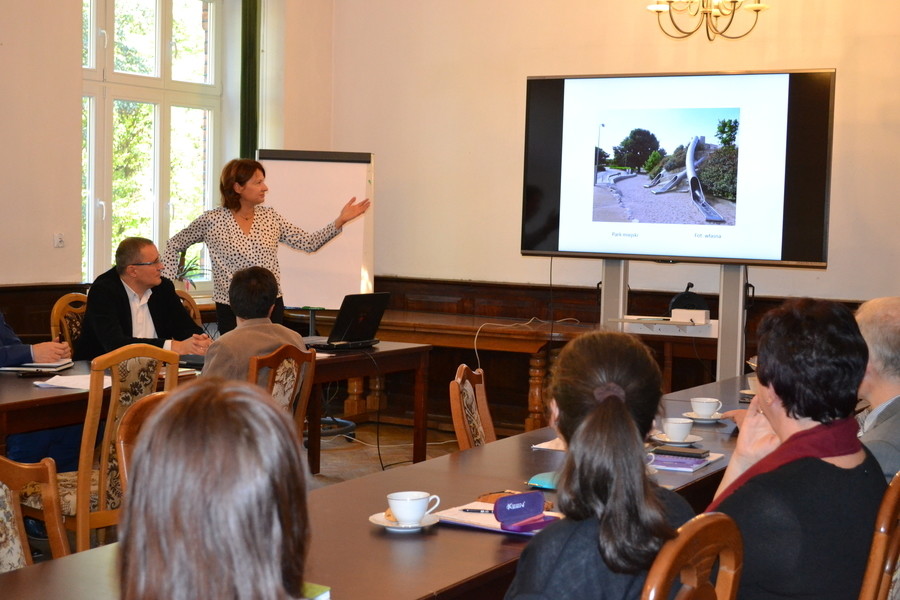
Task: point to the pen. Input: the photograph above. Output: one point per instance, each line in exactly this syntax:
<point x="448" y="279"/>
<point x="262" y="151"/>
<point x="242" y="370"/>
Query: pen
<point x="478" y="510"/>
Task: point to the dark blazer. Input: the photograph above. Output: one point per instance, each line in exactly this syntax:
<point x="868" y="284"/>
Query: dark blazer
<point x="12" y="351"/>
<point x="107" y="320"/>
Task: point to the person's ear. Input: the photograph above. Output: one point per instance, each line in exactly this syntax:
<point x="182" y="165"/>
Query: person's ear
<point x="271" y="308"/>
<point x="238" y="188"/>
<point x="554" y="412"/>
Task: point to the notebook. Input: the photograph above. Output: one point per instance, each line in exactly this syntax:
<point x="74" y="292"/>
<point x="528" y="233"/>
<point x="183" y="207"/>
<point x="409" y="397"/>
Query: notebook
<point x="356" y="323"/>
<point x="52" y="367"/>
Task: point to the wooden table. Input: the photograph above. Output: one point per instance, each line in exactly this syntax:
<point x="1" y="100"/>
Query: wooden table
<point x="481" y="333"/>
<point x="537" y="339"/>
<point x="361" y="560"/>
<point x="25" y="407"/>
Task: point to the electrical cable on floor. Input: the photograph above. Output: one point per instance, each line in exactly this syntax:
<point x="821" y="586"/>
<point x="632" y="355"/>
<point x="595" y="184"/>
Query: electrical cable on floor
<point x="370" y="445"/>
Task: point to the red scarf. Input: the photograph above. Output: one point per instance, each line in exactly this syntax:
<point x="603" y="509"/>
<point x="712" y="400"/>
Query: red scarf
<point x="837" y="438"/>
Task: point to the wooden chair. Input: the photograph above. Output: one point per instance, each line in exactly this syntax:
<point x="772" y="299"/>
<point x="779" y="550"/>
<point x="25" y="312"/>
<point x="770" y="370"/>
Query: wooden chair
<point x="885" y="553"/>
<point x="90" y="497"/>
<point x="130" y="426"/>
<point x="290" y="378"/>
<point x="469" y="407"/>
<point x="14" y="476"/>
<point x="187" y="301"/>
<point x="66" y="318"/>
<point x="691" y="556"/>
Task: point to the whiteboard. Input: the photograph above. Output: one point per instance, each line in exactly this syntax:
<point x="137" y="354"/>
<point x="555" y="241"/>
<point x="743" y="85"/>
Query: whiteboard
<point x="309" y="189"/>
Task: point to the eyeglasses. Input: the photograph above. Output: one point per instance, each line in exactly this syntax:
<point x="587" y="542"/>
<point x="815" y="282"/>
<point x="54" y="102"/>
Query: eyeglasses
<point x="147" y="264"/>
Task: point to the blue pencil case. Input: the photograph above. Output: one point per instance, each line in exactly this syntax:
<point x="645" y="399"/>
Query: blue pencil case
<point x="522" y="512"/>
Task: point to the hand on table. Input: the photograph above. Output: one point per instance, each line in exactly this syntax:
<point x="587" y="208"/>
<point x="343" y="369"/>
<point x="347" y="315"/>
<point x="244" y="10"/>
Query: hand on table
<point x="48" y="352"/>
<point x="196" y="344"/>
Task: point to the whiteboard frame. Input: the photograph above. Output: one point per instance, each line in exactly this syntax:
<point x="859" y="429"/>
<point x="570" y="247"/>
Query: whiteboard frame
<point x="345" y="265"/>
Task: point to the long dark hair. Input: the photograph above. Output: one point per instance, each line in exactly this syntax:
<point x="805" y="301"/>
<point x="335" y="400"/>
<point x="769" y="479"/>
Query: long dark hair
<point x="607" y="388"/>
<point x="216" y="502"/>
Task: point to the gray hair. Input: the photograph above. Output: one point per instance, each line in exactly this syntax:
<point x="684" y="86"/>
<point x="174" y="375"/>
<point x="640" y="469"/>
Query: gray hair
<point x="879" y="322"/>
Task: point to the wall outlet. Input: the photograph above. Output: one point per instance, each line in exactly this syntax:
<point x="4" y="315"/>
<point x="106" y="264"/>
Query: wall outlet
<point x="58" y="240"/>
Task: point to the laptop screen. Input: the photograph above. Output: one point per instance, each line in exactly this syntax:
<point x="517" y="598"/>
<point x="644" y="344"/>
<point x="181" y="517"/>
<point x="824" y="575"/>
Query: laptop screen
<point x="359" y="317"/>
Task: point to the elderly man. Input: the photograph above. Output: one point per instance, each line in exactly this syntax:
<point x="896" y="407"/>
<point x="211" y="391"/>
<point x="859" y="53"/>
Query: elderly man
<point x="879" y="322"/>
<point x="133" y="303"/>
<point x="252" y="296"/>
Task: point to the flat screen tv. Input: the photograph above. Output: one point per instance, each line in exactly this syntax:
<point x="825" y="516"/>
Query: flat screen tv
<point x="704" y="168"/>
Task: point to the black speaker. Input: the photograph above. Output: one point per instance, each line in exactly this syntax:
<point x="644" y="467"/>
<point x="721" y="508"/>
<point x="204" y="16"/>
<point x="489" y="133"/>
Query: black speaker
<point x="687" y="300"/>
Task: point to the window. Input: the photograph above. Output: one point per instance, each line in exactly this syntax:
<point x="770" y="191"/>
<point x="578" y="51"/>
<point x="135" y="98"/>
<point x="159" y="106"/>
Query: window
<point x="150" y="119"/>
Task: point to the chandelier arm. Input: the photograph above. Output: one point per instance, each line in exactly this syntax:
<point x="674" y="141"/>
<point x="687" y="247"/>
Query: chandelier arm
<point x="684" y="32"/>
<point x="703" y="12"/>
<point x="735" y="5"/>
<point x="663" y="29"/>
<point x="735" y="37"/>
<point x="712" y="25"/>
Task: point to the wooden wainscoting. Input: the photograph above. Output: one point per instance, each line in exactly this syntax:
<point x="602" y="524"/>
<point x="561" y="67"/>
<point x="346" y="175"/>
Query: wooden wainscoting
<point x="27" y="307"/>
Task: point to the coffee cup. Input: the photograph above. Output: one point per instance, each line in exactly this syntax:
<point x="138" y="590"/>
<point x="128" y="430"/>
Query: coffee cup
<point x="753" y="382"/>
<point x="705" y="407"/>
<point x="677" y="429"/>
<point x="409" y="508"/>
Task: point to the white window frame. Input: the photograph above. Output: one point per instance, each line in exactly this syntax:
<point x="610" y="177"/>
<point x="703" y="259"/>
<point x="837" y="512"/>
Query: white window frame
<point x="104" y="86"/>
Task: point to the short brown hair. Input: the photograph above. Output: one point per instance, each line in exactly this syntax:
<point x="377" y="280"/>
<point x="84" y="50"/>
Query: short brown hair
<point x="252" y="292"/>
<point x="129" y="252"/>
<point x="238" y="171"/>
<point x="216" y="502"/>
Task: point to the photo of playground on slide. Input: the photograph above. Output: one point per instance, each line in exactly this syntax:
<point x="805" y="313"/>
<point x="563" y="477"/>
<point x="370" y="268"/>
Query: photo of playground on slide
<point x="681" y="167"/>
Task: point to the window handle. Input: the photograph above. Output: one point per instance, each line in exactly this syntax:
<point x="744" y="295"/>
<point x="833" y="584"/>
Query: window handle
<point x="102" y="206"/>
<point x="103" y="34"/>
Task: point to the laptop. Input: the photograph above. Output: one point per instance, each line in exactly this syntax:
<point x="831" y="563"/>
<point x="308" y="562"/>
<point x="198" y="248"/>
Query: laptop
<point x="356" y="323"/>
<point x="51" y="367"/>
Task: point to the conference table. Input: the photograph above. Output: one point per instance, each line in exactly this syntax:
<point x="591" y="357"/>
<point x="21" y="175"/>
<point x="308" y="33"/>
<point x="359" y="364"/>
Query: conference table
<point x="535" y="338"/>
<point x="25" y="407"/>
<point x="361" y="560"/>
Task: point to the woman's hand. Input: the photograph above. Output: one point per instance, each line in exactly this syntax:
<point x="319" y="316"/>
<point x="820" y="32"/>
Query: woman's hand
<point x="756" y="438"/>
<point x="350" y="211"/>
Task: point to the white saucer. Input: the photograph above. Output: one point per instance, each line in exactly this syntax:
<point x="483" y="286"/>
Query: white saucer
<point x="379" y="519"/>
<point x="713" y="418"/>
<point x="664" y="439"/>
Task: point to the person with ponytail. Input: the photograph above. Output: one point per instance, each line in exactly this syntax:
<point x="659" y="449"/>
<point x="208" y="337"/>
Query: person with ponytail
<point x="605" y="392"/>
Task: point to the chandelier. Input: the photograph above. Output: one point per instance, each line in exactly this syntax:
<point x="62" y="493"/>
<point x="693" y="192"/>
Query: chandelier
<point x="718" y="17"/>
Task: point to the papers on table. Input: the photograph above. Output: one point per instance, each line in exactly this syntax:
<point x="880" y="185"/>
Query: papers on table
<point x="76" y="382"/>
<point x="479" y="520"/>
<point x="556" y="443"/>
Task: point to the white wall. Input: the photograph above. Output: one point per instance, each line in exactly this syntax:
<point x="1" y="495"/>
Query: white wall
<point x="40" y="140"/>
<point x="436" y="90"/>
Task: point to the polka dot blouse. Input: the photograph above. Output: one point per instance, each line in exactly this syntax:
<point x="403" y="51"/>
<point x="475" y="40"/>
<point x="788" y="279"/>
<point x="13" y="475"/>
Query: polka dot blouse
<point x="232" y="250"/>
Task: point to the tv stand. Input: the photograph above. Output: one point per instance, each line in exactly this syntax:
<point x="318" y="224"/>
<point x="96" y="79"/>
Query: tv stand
<point x="732" y="287"/>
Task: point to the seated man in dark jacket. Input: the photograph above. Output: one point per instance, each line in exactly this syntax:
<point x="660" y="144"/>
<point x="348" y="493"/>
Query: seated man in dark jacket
<point x="133" y="303"/>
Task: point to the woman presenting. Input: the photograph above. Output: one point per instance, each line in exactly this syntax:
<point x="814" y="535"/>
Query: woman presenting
<point x="242" y="233"/>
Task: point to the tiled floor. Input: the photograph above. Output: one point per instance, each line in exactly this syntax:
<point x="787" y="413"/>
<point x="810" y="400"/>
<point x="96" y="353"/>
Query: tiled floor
<point x="376" y="448"/>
